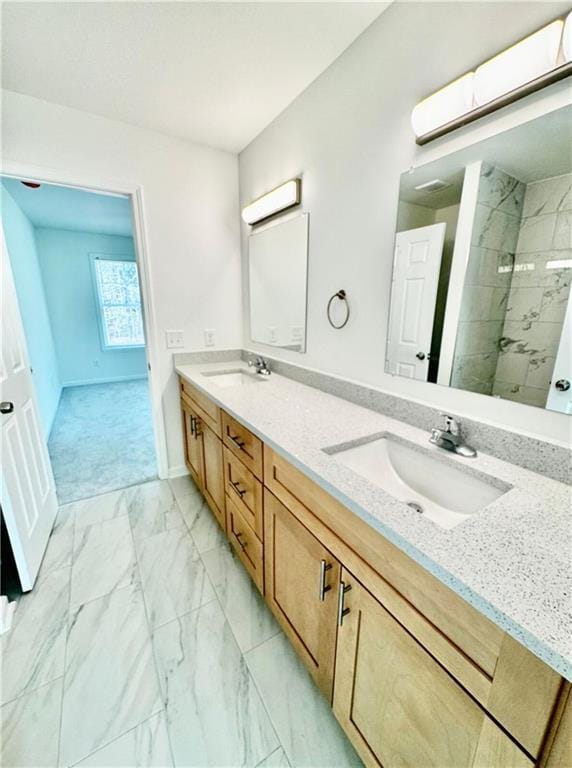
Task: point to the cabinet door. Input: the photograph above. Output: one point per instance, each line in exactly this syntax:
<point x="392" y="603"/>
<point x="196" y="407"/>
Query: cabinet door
<point x="213" y="473"/>
<point x="301" y="576"/>
<point x="398" y="705"/>
<point x="193" y="445"/>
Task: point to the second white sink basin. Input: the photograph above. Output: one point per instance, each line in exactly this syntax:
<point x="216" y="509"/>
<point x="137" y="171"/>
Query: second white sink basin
<point x="436" y="489"/>
<point x="237" y="378"/>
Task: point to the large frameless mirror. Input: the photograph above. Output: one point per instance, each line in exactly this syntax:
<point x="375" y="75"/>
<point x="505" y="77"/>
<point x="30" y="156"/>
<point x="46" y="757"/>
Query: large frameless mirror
<point x="480" y="294"/>
<point x="278" y="278"/>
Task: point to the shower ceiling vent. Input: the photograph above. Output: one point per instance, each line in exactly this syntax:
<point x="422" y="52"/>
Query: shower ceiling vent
<point x="432" y="186"/>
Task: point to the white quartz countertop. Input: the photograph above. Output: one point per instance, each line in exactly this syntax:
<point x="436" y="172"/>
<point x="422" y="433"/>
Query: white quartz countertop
<point x="512" y="560"/>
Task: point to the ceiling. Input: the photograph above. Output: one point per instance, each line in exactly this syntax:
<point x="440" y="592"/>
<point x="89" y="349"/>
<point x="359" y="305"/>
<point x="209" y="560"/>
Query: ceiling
<point x="57" y="207"/>
<point x="215" y="73"/>
<point x="538" y="149"/>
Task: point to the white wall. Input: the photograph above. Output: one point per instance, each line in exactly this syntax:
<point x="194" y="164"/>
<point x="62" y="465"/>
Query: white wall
<point x="190" y="197"/>
<point x="349" y="136"/>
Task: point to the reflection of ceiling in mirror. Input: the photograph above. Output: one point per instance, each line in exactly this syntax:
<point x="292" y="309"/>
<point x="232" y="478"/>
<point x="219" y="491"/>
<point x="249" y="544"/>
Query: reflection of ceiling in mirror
<point x="538" y="149"/>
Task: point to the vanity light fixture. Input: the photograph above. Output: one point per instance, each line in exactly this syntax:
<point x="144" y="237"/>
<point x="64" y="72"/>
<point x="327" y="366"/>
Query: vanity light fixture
<point x="280" y="199"/>
<point x="536" y="61"/>
<point x="443" y="106"/>
<point x="567" y="39"/>
<point x="520" y="64"/>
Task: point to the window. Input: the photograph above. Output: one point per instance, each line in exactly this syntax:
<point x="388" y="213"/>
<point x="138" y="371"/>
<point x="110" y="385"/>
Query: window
<point x="119" y="299"/>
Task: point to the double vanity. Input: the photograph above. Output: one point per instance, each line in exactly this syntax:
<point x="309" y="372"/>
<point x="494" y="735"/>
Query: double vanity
<point x="423" y="589"/>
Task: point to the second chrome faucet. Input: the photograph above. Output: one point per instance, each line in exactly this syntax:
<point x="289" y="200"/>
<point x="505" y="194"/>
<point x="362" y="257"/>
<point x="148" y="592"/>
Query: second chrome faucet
<point x="450" y="438"/>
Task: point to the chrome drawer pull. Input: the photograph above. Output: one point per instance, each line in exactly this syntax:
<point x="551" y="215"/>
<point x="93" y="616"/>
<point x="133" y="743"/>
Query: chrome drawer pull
<point x="241" y="543"/>
<point x="323" y="588"/>
<point x="236" y="440"/>
<point x="341" y="610"/>
<point x="236" y="486"/>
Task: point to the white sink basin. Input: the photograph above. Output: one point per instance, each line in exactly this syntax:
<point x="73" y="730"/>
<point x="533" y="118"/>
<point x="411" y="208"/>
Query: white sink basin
<point x="439" y="491"/>
<point x="236" y="378"/>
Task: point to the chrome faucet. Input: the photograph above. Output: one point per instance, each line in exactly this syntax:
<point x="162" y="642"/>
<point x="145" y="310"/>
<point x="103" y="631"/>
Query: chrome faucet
<point x="260" y="366"/>
<point x="451" y="439"/>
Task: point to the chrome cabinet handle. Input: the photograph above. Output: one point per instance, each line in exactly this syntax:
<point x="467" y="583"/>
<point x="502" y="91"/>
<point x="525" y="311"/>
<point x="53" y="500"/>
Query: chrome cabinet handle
<point x="343" y="588"/>
<point x="193" y="426"/>
<point x="236" y="486"/>
<point x="6" y="406"/>
<point x="562" y="385"/>
<point x="323" y="588"/>
<point x="235" y="439"/>
<point x="420" y="355"/>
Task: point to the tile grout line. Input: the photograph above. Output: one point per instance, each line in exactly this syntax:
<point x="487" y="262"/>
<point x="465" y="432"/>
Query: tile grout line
<point x="120" y="736"/>
<point x="150" y="633"/>
<point x="68" y="620"/>
<point x="242" y="653"/>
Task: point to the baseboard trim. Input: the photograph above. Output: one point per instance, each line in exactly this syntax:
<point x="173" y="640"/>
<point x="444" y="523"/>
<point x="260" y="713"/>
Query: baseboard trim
<point x="178" y="471"/>
<point x="107" y="380"/>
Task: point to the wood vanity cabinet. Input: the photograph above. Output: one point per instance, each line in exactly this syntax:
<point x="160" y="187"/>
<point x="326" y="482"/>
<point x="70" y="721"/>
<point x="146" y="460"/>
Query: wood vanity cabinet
<point x="399" y="706"/>
<point x="203" y="454"/>
<point x="301" y="580"/>
<point x="416" y="676"/>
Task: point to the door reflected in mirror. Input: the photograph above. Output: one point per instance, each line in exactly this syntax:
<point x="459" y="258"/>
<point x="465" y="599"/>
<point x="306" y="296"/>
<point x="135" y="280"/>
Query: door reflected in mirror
<point x="480" y="295"/>
<point x="278" y="277"/>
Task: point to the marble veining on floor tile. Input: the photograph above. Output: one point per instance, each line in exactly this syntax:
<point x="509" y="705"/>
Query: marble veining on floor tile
<point x="101" y="691"/>
<point x="203" y="527"/>
<point x="173" y="576"/>
<point x="145" y="746"/>
<point x="303" y="720"/>
<point x="59" y="551"/>
<point x="110" y="682"/>
<point x="33" y="650"/>
<point x="214" y="712"/>
<point x="246" y="612"/>
<point x="99" y="508"/>
<point x="30" y="728"/>
<point x="103" y="560"/>
<point x="152" y="509"/>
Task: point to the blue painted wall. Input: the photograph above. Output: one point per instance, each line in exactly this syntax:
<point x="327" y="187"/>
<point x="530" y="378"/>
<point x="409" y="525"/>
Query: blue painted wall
<point x="24" y="259"/>
<point x="66" y="271"/>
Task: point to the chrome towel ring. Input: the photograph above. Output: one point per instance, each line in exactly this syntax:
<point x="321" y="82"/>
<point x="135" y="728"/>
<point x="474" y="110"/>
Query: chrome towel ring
<point x="341" y="295"/>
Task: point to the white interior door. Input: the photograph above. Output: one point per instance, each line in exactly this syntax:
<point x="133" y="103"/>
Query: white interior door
<point x="28" y="494"/>
<point x="560" y="392"/>
<point x="416" y="268"/>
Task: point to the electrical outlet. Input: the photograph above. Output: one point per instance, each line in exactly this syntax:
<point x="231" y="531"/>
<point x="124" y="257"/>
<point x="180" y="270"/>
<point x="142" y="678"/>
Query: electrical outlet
<point x="175" y="339"/>
<point x="209" y="335"/>
<point x="272" y="334"/>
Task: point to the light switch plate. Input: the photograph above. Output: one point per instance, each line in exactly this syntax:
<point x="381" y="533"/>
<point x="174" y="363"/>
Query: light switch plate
<point x="175" y="339"/>
<point x="209" y="335"/>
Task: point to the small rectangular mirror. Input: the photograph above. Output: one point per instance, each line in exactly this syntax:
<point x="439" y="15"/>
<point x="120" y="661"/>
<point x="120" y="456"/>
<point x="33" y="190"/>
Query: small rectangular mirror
<point x="278" y="280"/>
<point x="480" y="295"/>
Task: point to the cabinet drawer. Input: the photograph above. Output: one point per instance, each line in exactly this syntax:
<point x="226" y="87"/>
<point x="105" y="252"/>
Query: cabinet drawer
<point x="245" y="490"/>
<point x="208" y="411"/>
<point x="248" y="547"/>
<point x="243" y="444"/>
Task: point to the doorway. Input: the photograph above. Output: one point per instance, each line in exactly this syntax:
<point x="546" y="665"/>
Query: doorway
<point x="74" y="264"/>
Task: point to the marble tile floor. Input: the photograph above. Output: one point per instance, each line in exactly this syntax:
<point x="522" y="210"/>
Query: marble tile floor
<point x="102" y="439"/>
<point x="144" y="643"/>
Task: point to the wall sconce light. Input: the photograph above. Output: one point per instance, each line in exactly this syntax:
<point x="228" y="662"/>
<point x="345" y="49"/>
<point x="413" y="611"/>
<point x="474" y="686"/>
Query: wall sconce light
<point x="567" y="39"/>
<point x="520" y="64"/>
<point x="283" y="197"/>
<point x="539" y="60"/>
<point x="443" y="106"/>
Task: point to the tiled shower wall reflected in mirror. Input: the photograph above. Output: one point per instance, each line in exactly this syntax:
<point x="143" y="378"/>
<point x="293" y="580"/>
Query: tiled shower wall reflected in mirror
<point x="517" y="287"/>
